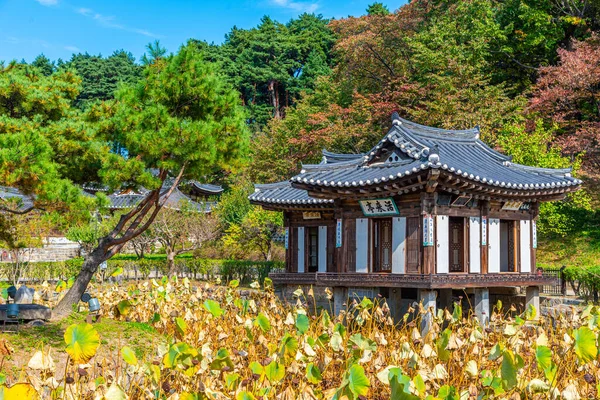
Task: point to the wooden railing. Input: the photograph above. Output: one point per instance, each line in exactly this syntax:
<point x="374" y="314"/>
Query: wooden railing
<point x="437" y="281"/>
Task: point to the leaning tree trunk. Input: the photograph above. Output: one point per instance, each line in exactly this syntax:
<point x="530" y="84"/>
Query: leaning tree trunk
<point x="130" y="226"/>
<point x="73" y="295"/>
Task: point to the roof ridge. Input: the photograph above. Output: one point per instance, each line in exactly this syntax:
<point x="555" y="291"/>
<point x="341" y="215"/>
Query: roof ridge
<point x="274" y="185"/>
<point x="434" y="130"/>
<point x="551" y="171"/>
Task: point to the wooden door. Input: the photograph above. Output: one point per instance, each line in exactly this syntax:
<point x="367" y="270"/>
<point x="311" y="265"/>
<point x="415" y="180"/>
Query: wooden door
<point x="456" y="245"/>
<point x="312" y="248"/>
<point x="382" y="245"/>
<point x="293" y="250"/>
<point x="413" y="245"/>
<point x="349" y="245"/>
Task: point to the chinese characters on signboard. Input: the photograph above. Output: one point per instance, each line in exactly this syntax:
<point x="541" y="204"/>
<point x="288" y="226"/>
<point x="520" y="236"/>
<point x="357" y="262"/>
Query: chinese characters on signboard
<point x="311" y="215"/>
<point x="512" y="205"/>
<point x="534" y="233"/>
<point x="378" y="207"/>
<point x="287" y="237"/>
<point x="427" y="230"/>
<point x="338" y="233"/>
<point x="484" y="230"/>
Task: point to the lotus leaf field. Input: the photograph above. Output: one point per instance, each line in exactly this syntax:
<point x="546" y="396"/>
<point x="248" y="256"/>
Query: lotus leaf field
<point x="225" y="342"/>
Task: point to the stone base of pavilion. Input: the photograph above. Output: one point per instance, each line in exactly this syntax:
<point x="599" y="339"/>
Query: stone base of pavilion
<point x="400" y="291"/>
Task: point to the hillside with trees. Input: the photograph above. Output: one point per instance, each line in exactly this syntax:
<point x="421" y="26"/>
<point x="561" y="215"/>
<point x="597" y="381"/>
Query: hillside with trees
<point x="525" y="71"/>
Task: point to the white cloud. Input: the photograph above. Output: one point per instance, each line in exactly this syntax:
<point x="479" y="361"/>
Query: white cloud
<point x="297" y="6"/>
<point x="48" y="2"/>
<point x="109" y="21"/>
<point x="72" y="48"/>
<point x="84" y="11"/>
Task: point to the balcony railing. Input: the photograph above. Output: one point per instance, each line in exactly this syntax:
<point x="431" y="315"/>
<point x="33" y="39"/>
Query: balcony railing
<point x="421" y="281"/>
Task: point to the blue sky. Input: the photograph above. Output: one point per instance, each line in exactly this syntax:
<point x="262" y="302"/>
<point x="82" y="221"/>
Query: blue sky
<point x="59" y="28"/>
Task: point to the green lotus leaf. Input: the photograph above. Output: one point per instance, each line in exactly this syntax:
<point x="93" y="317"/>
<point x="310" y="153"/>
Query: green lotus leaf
<point x="288" y="347"/>
<point x="221" y="360"/>
<point x="357" y="381"/>
<point x="124" y="307"/>
<point x="274" y="371"/>
<point x="245" y="396"/>
<point x="313" y="375"/>
<point x="82" y="342"/>
<point x="232" y="380"/>
<point x="543" y="356"/>
<point x="263" y="322"/>
<point x="129" y="355"/>
<point x="585" y="344"/>
<point x="181" y="326"/>
<point x="214" y="308"/>
<point x="302" y="323"/>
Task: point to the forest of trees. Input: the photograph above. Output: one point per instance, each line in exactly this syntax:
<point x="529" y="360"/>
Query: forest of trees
<point x="526" y="71"/>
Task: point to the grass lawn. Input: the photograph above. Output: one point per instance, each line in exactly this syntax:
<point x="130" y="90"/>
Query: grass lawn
<point x="141" y="337"/>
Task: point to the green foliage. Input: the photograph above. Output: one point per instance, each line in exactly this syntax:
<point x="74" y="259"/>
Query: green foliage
<point x="44" y="65"/>
<point x="40" y="133"/>
<point x="233" y="206"/>
<point x="255" y="233"/>
<point x="535" y="146"/>
<point x="102" y="76"/>
<point x="378" y="9"/>
<point x="272" y="63"/>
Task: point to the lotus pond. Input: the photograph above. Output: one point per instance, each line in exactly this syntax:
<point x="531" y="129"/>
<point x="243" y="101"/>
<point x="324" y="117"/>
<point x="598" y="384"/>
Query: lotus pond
<point x="173" y="339"/>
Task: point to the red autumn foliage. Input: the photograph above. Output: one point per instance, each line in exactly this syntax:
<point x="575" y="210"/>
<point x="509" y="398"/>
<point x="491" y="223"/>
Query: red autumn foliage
<point x="569" y="95"/>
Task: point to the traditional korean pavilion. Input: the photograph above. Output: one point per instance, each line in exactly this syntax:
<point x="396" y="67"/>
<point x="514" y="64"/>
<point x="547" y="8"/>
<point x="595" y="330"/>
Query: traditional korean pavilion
<point x="426" y="211"/>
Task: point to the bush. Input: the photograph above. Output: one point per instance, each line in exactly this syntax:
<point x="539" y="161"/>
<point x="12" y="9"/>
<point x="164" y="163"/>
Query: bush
<point x="200" y="268"/>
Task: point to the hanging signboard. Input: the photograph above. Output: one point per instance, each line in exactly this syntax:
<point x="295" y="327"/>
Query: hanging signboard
<point x="338" y="233"/>
<point x="427" y="230"/>
<point x="484" y="230"/>
<point x="534" y="234"/>
<point x="311" y="215"/>
<point x="287" y="237"/>
<point x="512" y="205"/>
<point x="378" y="207"/>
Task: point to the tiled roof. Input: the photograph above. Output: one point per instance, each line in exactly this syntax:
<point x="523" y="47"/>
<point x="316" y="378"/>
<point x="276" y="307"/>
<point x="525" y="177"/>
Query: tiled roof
<point x="410" y="149"/>
<point x="458" y="152"/>
<point x="175" y="201"/>
<point x="206" y="188"/>
<point x="21" y="201"/>
<point x="284" y="194"/>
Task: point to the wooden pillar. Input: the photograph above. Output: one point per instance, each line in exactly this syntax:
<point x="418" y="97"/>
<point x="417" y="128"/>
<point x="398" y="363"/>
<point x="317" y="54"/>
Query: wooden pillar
<point x="485" y="209"/>
<point x="535" y="210"/>
<point x="288" y="251"/>
<point x="339" y="251"/>
<point x="428" y="208"/>
<point x="349" y="244"/>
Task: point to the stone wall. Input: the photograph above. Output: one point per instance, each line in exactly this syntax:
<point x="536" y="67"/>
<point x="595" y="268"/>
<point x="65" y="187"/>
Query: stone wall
<point x="54" y="249"/>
